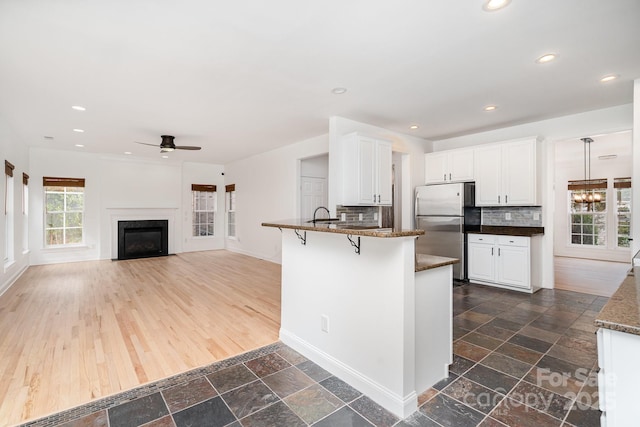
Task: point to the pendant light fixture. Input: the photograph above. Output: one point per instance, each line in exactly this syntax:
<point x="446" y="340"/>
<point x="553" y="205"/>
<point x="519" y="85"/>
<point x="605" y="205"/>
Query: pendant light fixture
<point x="587" y="196"/>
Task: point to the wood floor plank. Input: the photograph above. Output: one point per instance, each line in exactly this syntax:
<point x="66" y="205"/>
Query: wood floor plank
<point x="589" y="276"/>
<point x="72" y="333"/>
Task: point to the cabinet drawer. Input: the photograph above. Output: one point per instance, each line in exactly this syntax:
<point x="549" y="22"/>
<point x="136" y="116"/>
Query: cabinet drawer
<point x="513" y="240"/>
<point x="482" y="238"/>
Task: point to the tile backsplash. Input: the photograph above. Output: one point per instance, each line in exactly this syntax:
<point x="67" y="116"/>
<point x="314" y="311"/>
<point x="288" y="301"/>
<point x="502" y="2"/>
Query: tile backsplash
<point x="520" y="216"/>
<point x="353" y="213"/>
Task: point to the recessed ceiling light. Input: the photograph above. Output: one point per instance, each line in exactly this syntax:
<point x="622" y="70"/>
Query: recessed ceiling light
<point x="490" y="108"/>
<point x="338" y="90"/>
<point x="608" y="78"/>
<point x="49" y="138"/>
<point x="165" y="157"/>
<point x="80" y="145"/>
<point x="127" y="152"/>
<point x="78" y="108"/>
<point x="547" y="57"/>
<point x="414" y="127"/>
<point x="493" y="5"/>
<point x="78" y="130"/>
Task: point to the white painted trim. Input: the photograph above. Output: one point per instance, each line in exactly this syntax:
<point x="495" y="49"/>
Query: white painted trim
<point x="12" y="279"/>
<point x="402" y="406"/>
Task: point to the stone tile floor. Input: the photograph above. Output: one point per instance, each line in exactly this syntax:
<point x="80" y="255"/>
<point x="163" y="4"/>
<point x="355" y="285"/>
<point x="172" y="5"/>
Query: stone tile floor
<point x="519" y="360"/>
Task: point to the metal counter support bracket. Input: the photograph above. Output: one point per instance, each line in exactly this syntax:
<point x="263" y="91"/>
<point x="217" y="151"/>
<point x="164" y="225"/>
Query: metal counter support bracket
<point x="303" y="238"/>
<point x="354" y="244"/>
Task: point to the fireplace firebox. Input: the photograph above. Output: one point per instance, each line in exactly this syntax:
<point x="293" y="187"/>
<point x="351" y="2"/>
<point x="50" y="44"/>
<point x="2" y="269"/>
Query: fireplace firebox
<point x="143" y="239"/>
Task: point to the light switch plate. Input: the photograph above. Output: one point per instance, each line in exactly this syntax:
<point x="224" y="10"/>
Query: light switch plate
<point x="507" y="216"/>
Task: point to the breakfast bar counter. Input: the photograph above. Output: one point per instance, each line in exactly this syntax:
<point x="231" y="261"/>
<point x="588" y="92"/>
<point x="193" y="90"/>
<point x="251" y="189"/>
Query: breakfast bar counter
<point x="359" y="303"/>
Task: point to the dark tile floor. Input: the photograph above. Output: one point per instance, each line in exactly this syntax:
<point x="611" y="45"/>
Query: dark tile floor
<point x="519" y="360"/>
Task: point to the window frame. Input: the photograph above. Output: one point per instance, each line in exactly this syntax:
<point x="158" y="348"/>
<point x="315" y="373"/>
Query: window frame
<point x="589" y="187"/>
<point x="231" y="199"/>
<point x="67" y="185"/>
<point x="197" y="191"/>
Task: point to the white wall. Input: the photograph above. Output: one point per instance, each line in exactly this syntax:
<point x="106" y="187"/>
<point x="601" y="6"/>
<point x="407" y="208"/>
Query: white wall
<point x="122" y="186"/>
<point x="267" y="189"/>
<point x="315" y="167"/>
<point x="413" y="146"/>
<point x="596" y="122"/>
<point x="13" y="150"/>
<point x="635" y="177"/>
<point x="569" y="166"/>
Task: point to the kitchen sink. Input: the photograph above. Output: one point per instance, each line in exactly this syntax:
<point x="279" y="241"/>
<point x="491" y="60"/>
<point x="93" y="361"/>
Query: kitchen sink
<point x="323" y="220"/>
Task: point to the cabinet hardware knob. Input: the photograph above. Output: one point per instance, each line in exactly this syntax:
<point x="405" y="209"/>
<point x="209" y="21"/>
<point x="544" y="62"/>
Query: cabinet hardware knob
<point x="491" y="251"/>
<point x="498" y="199"/>
<point x="506" y="198"/>
<point x="498" y="251"/>
<point x="449" y="176"/>
<point x="444" y="177"/>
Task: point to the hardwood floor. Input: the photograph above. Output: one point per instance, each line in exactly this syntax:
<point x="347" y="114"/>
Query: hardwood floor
<point x="71" y="333"/>
<point x="589" y="276"/>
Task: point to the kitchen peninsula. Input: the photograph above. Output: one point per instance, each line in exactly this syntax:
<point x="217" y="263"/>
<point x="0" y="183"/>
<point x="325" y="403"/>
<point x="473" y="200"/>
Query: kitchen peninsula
<point x="361" y="304"/>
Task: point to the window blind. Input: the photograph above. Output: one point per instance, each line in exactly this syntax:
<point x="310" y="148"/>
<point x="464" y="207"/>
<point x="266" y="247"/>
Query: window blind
<point x="203" y="187"/>
<point x="48" y="181"/>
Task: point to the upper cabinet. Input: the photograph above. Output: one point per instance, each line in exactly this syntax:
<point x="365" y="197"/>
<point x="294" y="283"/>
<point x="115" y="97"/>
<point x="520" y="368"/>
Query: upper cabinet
<point x="366" y="171"/>
<point x="506" y="174"/>
<point x="449" y="166"/>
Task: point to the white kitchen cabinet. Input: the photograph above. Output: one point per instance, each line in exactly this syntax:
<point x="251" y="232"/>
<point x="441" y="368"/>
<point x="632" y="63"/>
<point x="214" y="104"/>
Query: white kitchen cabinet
<point x="506" y="174"/>
<point x="449" y="166"/>
<point x="504" y="261"/>
<point x="618" y="377"/>
<point x="367" y="170"/>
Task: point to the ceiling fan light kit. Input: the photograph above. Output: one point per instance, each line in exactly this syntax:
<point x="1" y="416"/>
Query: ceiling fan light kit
<point x="167" y="145"/>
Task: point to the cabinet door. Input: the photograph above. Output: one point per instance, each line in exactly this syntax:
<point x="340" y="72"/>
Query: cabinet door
<point x="435" y="168"/>
<point x="512" y="266"/>
<point x="366" y="171"/>
<point x="480" y="261"/>
<point x="488" y="176"/>
<point x="384" y="169"/>
<point x="460" y="164"/>
<point x="519" y="173"/>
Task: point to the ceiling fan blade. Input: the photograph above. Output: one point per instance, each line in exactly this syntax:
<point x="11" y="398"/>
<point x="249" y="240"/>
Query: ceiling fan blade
<point x="187" y="147"/>
<point x="146" y="143"/>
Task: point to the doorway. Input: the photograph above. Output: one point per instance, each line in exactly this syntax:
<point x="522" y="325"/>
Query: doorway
<point x="314" y="173"/>
<point x="591" y="245"/>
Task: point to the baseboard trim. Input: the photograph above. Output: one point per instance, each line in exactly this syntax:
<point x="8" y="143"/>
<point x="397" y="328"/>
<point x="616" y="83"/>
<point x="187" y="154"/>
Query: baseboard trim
<point x="12" y="279"/>
<point x="402" y="406"/>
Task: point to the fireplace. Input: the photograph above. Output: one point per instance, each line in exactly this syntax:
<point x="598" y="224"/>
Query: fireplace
<point x="143" y="239"/>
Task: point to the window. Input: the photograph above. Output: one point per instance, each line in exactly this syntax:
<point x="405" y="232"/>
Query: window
<point x="588" y="221"/>
<point x="25" y="212"/>
<point x="8" y="212"/>
<point x="64" y="211"/>
<point x="230" y="191"/>
<point x="204" y="206"/>
<point x="622" y="187"/>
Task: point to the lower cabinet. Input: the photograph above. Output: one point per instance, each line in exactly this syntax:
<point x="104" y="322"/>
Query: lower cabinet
<point x="504" y="261"/>
<point x="618" y="377"/>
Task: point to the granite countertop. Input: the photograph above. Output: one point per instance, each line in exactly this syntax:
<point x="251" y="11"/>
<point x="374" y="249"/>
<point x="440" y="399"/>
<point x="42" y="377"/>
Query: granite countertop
<point x="341" y="228"/>
<point x="622" y="312"/>
<point x="509" y="230"/>
<point x="427" y="262"/>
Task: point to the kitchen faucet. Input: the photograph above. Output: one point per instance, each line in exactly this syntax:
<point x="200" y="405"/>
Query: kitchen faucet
<point x="318" y="208"/>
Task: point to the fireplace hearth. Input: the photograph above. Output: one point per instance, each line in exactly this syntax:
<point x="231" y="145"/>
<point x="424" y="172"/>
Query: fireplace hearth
<point x="143" y="239"/>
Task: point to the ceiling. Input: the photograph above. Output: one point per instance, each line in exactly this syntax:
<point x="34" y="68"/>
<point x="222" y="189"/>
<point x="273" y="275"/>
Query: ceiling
<point x="244" y="77"/>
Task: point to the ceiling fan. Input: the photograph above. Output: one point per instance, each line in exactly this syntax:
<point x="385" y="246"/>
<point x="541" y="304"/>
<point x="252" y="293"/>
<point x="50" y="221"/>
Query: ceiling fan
<point x="167" y="145"/>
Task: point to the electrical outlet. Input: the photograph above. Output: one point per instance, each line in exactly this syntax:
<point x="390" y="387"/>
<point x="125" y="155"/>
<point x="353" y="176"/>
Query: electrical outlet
<point x="324" y="323"/>
<point x="536" y="216"/>
<point x="375" y="216"/>
<point x="507" y="216"/>
<point x="343" y="216"/>
<point x="359" y="217"/>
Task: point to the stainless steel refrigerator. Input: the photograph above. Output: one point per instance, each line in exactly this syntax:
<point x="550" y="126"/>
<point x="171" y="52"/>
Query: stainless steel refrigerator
<point x="446" y="212"/>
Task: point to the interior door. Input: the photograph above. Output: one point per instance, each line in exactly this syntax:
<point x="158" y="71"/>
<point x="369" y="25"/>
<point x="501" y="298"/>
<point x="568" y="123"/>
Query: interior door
<point x="313" y="193"/>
